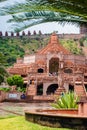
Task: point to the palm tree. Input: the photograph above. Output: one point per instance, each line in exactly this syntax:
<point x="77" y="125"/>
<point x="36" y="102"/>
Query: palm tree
<point x="67" y="100"/>
<point x="38" y="11"/>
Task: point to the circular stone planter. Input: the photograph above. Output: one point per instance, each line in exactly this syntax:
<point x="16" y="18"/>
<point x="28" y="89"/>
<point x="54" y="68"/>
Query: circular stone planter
<point x="57" y="118"/>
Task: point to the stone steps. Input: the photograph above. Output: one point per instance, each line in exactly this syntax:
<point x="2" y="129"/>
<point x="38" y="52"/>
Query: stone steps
<point x="31" y="90"/>
<point x="60" y="91"/>
<point x="79" y="90"/>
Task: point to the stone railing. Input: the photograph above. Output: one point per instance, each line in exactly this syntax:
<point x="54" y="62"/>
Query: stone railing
<point x="44" y="98"/>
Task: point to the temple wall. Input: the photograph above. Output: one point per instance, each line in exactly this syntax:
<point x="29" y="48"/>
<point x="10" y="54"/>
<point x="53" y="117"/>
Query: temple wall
<point x="75" y="59"/>
<point x="40" y="57"/>
<point x="2" y="96"/>
<point x="28" y="34"/>
<point x="29" y="59"/>
<point x="71" y="36"/>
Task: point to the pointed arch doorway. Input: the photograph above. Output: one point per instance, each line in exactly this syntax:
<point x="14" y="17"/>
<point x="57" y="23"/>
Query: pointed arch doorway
<point x="54" y="66"/>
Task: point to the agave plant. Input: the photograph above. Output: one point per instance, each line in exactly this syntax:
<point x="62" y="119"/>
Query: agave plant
<point x="32" y="12"/>
<point x="67" y="100"/>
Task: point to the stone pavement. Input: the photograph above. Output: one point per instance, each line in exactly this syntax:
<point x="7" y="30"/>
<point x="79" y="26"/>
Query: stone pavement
<point x="20" y="107"/>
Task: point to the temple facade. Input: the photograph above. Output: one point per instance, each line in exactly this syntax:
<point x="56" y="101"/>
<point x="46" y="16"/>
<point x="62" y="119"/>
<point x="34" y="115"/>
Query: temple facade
<point x="52" y="71"/>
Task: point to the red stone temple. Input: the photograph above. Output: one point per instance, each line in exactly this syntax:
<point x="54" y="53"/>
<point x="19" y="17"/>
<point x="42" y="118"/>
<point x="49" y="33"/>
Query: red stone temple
<point x="52" y="71"/>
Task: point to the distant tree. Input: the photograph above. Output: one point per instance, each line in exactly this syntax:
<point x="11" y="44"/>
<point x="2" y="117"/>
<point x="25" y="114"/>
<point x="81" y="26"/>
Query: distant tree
<point x="1" y="78"/>
<point x="72" y="46"/>
<point x="15" y="80"/>
<point x="3" y="72"/>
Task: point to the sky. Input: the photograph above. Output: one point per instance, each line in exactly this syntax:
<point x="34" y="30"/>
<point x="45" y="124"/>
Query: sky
<point x="45" y="28"/>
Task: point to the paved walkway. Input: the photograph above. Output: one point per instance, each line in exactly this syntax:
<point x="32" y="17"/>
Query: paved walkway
<point x="9" y="109"/>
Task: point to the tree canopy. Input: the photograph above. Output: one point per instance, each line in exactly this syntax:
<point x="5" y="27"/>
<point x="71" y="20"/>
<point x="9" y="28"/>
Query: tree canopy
<point x="33" y="12"/>
<point x="15" y="80"/>
<point x="3" y="72"/>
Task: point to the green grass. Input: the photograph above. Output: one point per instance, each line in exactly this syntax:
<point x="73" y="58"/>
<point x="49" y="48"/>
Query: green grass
<point x="7" y="116"/>
<point x="19" y="123"/>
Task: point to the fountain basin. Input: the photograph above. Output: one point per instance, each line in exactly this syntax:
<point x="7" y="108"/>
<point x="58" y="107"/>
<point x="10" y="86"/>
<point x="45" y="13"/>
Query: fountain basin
<point x="63" y="118"/>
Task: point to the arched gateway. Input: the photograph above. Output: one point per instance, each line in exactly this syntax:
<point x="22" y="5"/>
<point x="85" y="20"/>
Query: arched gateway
<point x="51" y="89"/>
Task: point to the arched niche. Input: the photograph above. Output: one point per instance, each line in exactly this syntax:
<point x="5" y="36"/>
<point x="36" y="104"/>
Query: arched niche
<point x="40" y="70"/>
<point x="68" y="70"/>
<point x="53" y="66"/>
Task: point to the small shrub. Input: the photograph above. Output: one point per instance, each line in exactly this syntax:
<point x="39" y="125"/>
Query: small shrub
<point x="5" y="89"/>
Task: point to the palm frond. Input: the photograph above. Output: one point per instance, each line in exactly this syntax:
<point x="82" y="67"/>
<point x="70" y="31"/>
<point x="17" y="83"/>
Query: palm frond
<point x="32" y="18"/>
<point x="69" y="6"/>
<point x="2" y="0"/>
<point x="47" y="11"/>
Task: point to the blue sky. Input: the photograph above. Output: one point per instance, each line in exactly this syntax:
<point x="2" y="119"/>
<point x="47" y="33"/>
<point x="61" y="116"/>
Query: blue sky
<point x="45" y="28"/>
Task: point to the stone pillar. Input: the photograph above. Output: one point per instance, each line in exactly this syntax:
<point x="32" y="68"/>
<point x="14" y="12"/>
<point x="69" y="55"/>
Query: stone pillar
<point x="60" y="79"/>
<point x="47" y="67"/>
<point x="31" y="90"/>
<point x="82" y="109"/>
<point x="66" y="86"/>
<point x="45" y="86"/>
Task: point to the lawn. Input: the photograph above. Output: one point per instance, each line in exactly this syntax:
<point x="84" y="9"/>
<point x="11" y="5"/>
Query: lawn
<point x="19" y="123"/>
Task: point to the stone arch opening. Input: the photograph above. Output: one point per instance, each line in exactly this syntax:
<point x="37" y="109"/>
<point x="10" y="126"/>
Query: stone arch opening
<point x="40" y="70"/>
<point x="40" y="89"/>
<point x="54" y="66"/>
<point x="51" y="89"/>
<point x="71" y="88"/>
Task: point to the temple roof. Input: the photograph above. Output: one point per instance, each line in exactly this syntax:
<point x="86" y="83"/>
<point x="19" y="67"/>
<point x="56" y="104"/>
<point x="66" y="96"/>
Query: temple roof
<point x="53" y="46"/>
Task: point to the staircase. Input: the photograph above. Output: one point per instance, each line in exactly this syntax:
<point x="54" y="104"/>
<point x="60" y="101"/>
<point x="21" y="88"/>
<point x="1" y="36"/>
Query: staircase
<point x="59" y="91"/>
<point x="31" y="91"/>
<point x="80" y="90"/>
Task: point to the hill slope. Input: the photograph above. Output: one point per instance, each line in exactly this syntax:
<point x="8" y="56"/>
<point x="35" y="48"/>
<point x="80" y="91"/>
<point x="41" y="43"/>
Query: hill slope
<point x="14" y="47"/>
